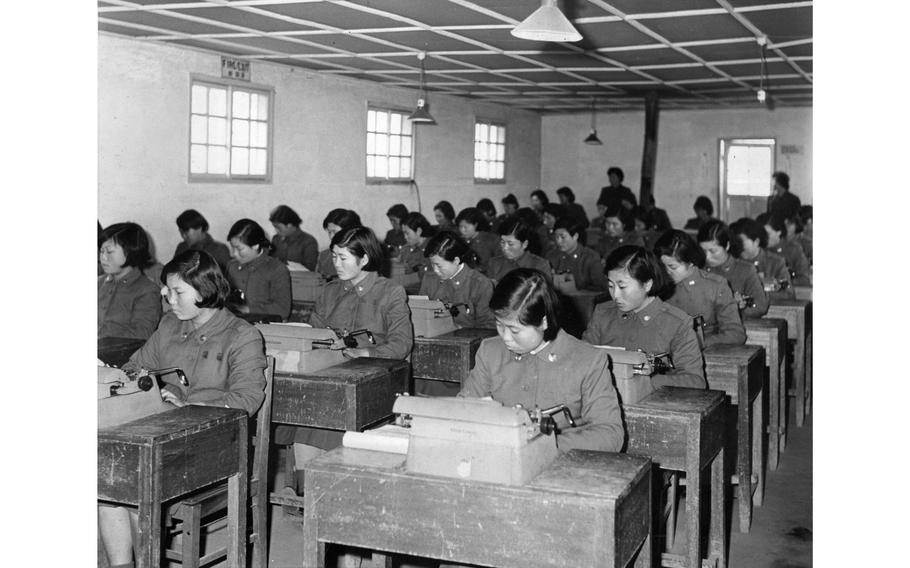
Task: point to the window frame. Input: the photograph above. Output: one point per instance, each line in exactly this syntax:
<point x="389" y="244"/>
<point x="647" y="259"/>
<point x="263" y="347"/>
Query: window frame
<point x="505" y="152"/>
<point x="231" y="85"/>
<point x="386" y="180"/>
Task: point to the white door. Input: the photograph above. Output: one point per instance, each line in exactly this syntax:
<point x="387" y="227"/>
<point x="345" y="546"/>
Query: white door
<point x="746" y="165"/>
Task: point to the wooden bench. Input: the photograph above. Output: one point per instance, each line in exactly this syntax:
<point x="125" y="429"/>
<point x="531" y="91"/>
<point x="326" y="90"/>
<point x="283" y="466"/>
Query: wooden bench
<point x="771" y="334"/>
<point x="448" y="357"/>
<point x="682" y="430"/>
<point x="798" y="314"/>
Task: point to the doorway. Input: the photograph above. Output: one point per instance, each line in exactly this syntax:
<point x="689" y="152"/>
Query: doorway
<point x="746" y="165"/>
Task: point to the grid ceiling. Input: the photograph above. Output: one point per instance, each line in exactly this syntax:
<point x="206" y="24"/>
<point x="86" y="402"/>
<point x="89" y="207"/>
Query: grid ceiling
<point x="693" y="53"/>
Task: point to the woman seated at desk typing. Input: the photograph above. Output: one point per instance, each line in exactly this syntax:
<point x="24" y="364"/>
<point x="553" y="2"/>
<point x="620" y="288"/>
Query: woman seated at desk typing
<point x="455" y="282"/>
<point x="475" y="230"/>
<point x="797" y="263"/>
<point x="337" y="220"/>
<point x="263" y="282"/>
<point x="222" y="355"/>
<point x="771" y="267"/>
<point x="704" y="296"/>
<point x="417" y="231"/>
<point x="722" y="258"/>
<point x="515" y="237"/>
<point x="359" y="299"/>
<point x="129" y="304"/>
<point x="291" y="243"/>
<point x="574" y="265"/>
<point x="534" y="363"/>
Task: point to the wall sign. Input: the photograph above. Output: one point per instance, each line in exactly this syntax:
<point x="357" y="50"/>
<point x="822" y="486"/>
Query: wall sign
<point x="235" y="68"/>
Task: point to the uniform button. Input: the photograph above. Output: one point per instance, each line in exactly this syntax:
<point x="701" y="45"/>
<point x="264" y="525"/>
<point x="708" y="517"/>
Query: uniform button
<point x="647" y="318"/>
<point x="691" y="282"/>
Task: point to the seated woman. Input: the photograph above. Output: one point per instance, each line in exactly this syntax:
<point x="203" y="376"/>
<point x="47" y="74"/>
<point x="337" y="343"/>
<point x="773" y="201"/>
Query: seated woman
<point x="514" y="239"/>
<point x="337" y="220"/>
<point x="637" y="318"/>
<point x="417" y="231"/>
<point x="291" y="243"/>
<point x="475" y="230"/>
<point x="454" y="281"/>
<point x="699" y="293"/>
<point x="129" y="303"/>
<point x="486" y="207"/>
<point x="358" y="299"/>
<point x="703" y="210"/>
<point x="771" y="268"/>
<point x="534" y="363"/>
<point x="194" y="230"/>
<point x="572" y="209"/>
<point x="580" y="265"/>
<point x="721" y="258"/>
<point x="619" y="229"/>
<point x="394" y="237"/>
<point x="797" y="234"/>
<point x="445" y="216"/>
<point x="797" y="263"/>
<point x="552" y="212"/>
<point x="262" y="282"/>
<point x="229" y="372"/>
<point x="539" y="201"/>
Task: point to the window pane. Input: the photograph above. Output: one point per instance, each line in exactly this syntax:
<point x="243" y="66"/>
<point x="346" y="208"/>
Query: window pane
<point x="217" y="134"/>
<point x="382" y="144"/>
<point x="406" y="126"/>
<point x="382" y="166"/>
<point x="371" y="166"/>
<point x="394" y="166"/>
<point x="197" y="159"/>
<point x="491" y="152"/>
<point x="199" y="99"/>
<point x="747" y="171"/>
<point x="406" y="146"/>
<point x="217" y="102"/>
<point x="394" y="147"/>
<point x="484" y="132"/>
<point x="241" y="107"/>
<point x="261" y="138"/>
<point x="371" y="143"/>
<point x="501" y="152"/>
<point x="240" y="133"/>
<point x="406" y="167"/>
<point x="240" y="161"/>
<point x="217" y="157"/>
<point x="476" y="131"/>
<point x="500" y="171"/>
<point x="501" y="138"/>
<point x="198" y="129"/>
<point x="382" y="122"/>
<point x="395" y="126"/>
<point x="371" y="120"/>
<point x="480" y="151"/>
<point x="258" y="162"/>
<point x="480" y="169"/>
<point x="259" y="106"/>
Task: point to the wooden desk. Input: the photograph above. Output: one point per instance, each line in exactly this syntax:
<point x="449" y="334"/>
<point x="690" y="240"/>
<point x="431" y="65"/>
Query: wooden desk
<point x="682" y="429"/>
<point x="771" y="334"/>
<point x="738" y="370"/>
<point x="798" y="314"/>
<point x="116" y="351"/>
<point x="447" y="357"/>
<point x="803" y="292"/>
<point x="149" y="461"/>
<point x="301" y="311"/>
<point x="585" y="509"/>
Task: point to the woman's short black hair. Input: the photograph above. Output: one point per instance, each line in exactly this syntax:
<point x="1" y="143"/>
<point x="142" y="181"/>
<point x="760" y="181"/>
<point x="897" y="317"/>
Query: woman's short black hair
<point x="776" y="222"/>
<point x="415" y="221"/>
<point x="447" y="210"/>
<point x="797" y="220"/>
<point x="781" y="179"/>
<point x="642" y="265"/>
<point x="133" y="240"/>
<point x="717" y="231"/>
<point x="201" y="271"/>
<point x="704" y="202"/>
<point x="284" y="215"/>
<point x="399" y="211"/>
<point x="556" y="210"/>
<point x="574" y="227"/>
<point x="473" y="216"/>
<point x="541" y="196"/>
<point x="510" y="199"/>
<point x="191" y="219"/>
<point x="567" y="192"/>
<point x="344" y="218"/>
<point x="805" y="214"/>
<point x="624" y="215"/>
<point x="681" y="246"/>
<point x="517" y="228"/>
<point x="529" y="216"/>
<point x="753" y="230"/>
<point x="250" y="233"/>
<point x="448" y="245"/>
<point x="486" y="206"/>
<point x="617" y="171"/>
<point x="362" y="242"/>
<point x="526" y="293"/>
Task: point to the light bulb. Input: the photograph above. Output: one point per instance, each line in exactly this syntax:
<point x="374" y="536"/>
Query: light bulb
<point x="761" y="95"/>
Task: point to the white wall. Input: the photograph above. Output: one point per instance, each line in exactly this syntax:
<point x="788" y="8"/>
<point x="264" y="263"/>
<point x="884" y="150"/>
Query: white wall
<point x="319" y="141"/>
<point x="687" y="152"/>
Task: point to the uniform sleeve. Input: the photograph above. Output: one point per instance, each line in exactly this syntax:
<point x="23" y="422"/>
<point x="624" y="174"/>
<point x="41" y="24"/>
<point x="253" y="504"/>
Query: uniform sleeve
<point x="246" y="382"/>
<point x="755" y="289"/>
<point x="597" y="280"/>
<point x="801" y="269"/>
<point x="146" y="314"/>
<point x="479" y="382"/>
<point x="399" y="329"/>
<point x="310" y="253"/>
<point x="600" y="424"/>
<point x="480" y="298"/>
<point x="781" y="273"/>
<point x="688" y="360"/>
<point x="593" y="334"/>
<point x="730" y="330"/>
<point x="279" y="301"/>
<point x="147" y="355"/>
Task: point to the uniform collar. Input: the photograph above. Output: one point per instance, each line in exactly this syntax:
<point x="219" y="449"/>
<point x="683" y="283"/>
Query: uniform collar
<point x="555" y="352"/>
<point x="646" y="315"/>
<point x="296" y="234"/>
<point x="130" y="277"/>
<point x="218" y="322"/>
<point x="727" y="264"/>
<point x="255" y="263"/>
<point x="459" y="278"/>
<point x="362" y="287"/>
<point x="693" y="278"/>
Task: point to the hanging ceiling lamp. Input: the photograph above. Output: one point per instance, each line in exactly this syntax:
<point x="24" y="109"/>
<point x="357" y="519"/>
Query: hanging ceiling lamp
<point x="762" y="95"/>
<point x="592" y="138"/>
<point x="422" y="114"/>
<point x="547" y="23"/>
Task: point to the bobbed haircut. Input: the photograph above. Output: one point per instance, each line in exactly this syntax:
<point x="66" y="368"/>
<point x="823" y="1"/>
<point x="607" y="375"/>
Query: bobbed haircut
<point x="574" y="227"/>
<point x="399" y="211"/>
<point x="529" y="216"/>
<point x="284" y="215"/>
<point x="704" y="202"/>
<point x="362" y="242"/>
<point x="191" y="219"/>
<point x="681" y="246"/>
<point x="201" y="271"/>
<point x="510" y="199"/>
<point x="249" y="233"/>
<point x="776" y="221"/>
<point x="642" y="265"/>
<point x="797" y="220"/>
<point x="555" y="209"/>
<point x="567" y="192"/>
<point x="517" y="228"/>
<point x="752" y="229"/>
<point x="526" y="294"/>
<point x="624" y="215"/>
<point x="781" y="179"/>
<point x="446" y="208"/>
<point x="717" y="231"/>
<point x="450" y="246"/>
<point x="473" y="216"/>
<point x="133" y="240"/>
<point x="344" y="218"/>
<point x="486" y="205"/>
<point x="416" y="220"/>
<point x="541" y="196"/>
<point x="617" y="171"/>
<point x="638" y="213"/>
<point x="805" y="214"/>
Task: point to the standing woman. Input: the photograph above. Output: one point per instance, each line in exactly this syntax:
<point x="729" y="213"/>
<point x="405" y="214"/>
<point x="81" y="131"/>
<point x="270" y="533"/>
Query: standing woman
<point x="697" y="292"/>
<point x="222" y="355"/>
<point x="337" y="220"/>
<point x="454" y="281"/>
<point x="721" y="257"/>
<point x="417" y="230"/>
<point x="574" y="258"/>
<point x="445" y="216"/>
<point x="637" y="318"/>
<point x="291" y="244"/>
<point x="264" y="282"/>
<point x="194" y="230"/>
<point x="514" y="238"/>
<point x="534" y="363"/>
<point x="475" y="230"/>
<point x="129" y="304"/>
<point x="772" y="268"/>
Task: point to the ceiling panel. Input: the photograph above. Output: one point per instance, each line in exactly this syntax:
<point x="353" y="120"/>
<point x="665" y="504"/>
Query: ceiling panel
<point x="330" y="14"/>
<point x="243" y="18"/>
<point x="660" y="56"/>
<point x="705" y="27"/>
<point x="433" y="13"/>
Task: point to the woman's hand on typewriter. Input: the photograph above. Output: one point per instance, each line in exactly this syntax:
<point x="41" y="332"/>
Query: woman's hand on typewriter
<point x="168" y="396"/>
<point x="355" y="352"/>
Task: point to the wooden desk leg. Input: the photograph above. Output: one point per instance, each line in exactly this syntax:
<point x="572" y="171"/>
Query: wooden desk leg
<point x="313" y="550"/>
<point x="799" y="377"/>
<point x="148" y="549"/>
<point x="693" y="510"/>
<point x="782" y="393"/>
<point x="238" y="488"/>
<point x="773" y="415"/>
<point x="808" y="373"/>
<point x="717" y="545"/>
<point x="743" y="462"/>
<point x="758" y="429"/>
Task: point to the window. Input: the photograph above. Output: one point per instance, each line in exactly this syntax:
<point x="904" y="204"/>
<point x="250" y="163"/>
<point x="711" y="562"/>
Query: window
<point x="489" y="152"/>
<point x="390" y="145"/>
<point x="746" y="165"/>
<point x="229" y="132"/>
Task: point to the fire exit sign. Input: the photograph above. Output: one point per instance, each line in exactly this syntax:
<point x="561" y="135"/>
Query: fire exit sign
<point x="235" y="69"/>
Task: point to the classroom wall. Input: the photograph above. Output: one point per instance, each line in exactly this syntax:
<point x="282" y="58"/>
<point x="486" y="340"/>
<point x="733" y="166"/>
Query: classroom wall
<point x="687" y="152"/>
<point x="319" y="144"/>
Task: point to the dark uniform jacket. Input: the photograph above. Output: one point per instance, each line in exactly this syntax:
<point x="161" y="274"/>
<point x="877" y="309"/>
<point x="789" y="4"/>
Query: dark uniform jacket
<point x="796" y="260"/>
<point x="608" y="244"/>
<point x="128" y="307"/>
<point x="467" y="287"/>
<point x="787" y="205"/>
<point x="709" y="295"/>
<point x="743" y="278"/>
<point x="219" y="251"/>
<point x="265" y="283"/>
<point x="300" y="247"/>
<point x="499" y="266"/>
<point x="615" y="196"/>
<point x="770" y="265"/>
<point x="485" y="245"/>
<point x="584" y="264"/>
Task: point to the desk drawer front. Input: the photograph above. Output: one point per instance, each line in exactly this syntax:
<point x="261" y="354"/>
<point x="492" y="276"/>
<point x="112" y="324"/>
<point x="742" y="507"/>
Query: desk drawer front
<point x="310" y="402"/>
<point x="118" y="471"/>
<point x="663" y="438"/>
<point x="443" y="361"/>
<point x="188" y="464"/>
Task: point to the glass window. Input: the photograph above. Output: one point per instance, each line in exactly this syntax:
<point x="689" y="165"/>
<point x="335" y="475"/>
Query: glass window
<point x="489" y="152"/>
<point x="389" y="145"/>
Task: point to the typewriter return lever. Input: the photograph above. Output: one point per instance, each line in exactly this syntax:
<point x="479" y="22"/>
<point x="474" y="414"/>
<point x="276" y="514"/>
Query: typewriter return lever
<point x="545" y="420"/>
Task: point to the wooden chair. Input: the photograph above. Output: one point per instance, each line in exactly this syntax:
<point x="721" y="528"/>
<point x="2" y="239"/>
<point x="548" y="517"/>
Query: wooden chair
<point x="190" y="512"/>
